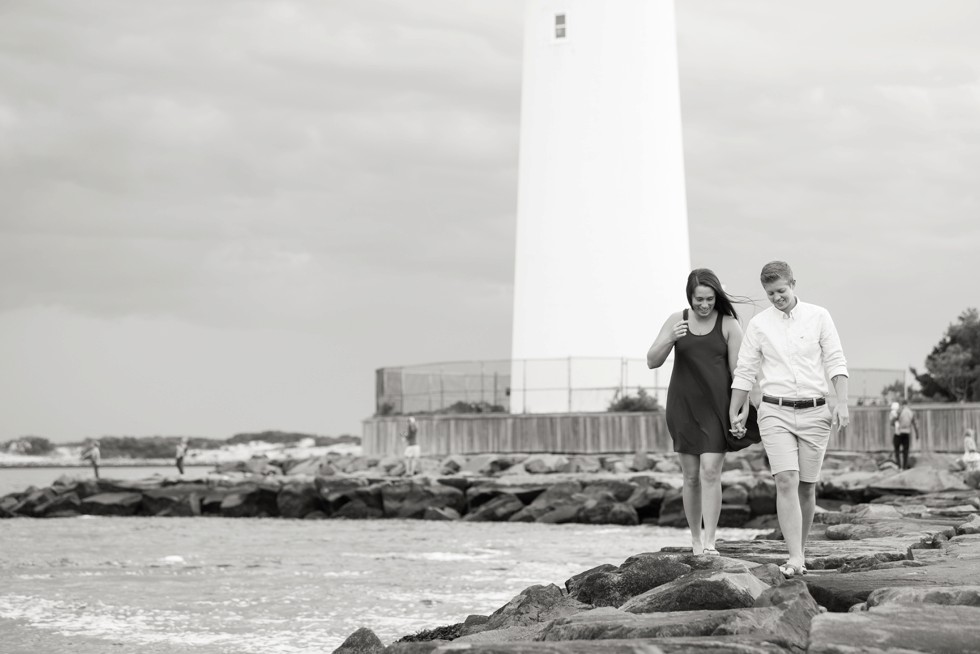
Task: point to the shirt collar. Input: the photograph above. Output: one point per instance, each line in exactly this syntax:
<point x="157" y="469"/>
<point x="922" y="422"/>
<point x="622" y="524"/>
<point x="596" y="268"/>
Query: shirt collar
<point x="792" y="313"/>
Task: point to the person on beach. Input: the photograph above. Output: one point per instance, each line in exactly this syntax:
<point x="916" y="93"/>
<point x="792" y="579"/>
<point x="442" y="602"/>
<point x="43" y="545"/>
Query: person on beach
<point x="93" y="455"/>
<point x="413" y="451"/>
<point x="970" y="461"/>
<point x="705" y="340"/>
<point x="904" y="425"/>
<point x="180" y="453"/>
<point x="792" y="348"/>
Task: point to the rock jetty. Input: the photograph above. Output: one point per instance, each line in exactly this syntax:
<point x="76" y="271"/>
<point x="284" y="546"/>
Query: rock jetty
<point x="897" y="575"/>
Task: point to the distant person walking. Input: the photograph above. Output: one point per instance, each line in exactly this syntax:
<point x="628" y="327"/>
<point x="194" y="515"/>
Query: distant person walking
<point x="905" y="424"/>
<point x="180" y="453"/>
<point x="705" y="340"/>
<point x="792" y="348"/>
<point x="970" y="461"/>
<point x="413" y="450"/>
<point x="93" y="455"/>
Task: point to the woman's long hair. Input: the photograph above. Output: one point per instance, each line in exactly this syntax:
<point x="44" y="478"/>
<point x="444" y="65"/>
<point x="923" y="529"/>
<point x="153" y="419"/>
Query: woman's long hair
<point x="724" y="303"/>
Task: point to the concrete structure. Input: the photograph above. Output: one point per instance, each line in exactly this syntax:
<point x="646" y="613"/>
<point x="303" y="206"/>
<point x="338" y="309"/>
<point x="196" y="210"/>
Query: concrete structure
<point x="602" y="237"/>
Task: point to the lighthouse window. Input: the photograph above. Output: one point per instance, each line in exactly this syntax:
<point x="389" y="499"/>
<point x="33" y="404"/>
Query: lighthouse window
<point x="559" y="26"/>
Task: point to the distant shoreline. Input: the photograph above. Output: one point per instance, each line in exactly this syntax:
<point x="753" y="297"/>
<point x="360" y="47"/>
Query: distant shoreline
<point x="139" y="463"/>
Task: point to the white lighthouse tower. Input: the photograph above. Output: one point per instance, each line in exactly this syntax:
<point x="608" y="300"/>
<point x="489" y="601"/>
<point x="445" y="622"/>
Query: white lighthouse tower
<point x="602" y="237"/>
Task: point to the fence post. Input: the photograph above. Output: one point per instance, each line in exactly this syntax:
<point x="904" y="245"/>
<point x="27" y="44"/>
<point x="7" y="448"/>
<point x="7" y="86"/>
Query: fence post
<point x="569" y="384"/>
<point x="524" y="386"/>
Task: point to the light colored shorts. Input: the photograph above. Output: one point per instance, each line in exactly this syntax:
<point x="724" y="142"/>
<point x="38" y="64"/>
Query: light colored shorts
<point x="413" y="451"/>
<point x="795" y="439"/>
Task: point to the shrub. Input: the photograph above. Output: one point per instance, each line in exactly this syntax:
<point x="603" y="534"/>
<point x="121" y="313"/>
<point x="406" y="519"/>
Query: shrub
<point x="632" y="403"/>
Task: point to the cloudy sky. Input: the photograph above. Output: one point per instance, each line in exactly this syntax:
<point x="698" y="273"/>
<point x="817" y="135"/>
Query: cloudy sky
<point x="224" y="215"/>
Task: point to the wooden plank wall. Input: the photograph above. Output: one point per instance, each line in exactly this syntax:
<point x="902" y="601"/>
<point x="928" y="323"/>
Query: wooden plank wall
<point x="941" y="430"/>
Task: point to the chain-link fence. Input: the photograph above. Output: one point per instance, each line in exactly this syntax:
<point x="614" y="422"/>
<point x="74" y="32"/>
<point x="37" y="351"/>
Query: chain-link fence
<point x="574" y="384"/>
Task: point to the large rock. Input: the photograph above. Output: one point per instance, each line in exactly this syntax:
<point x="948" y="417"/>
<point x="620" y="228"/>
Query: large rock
<point x="781" y="616"/>
<point x="174" y="501"/>
<point x="534" y="606"/>
<point x="672" y="511"/>
<point x="949" y="595"/>
<point x="499" y="509"/>
<point x="362" y="641"/>
<point x="257" y="500"/>
<point x="923" y="628"/>
<point x="486" y="464"/>
<point x="918" y="481"/>
<point x="297" y="498"/>
<point x="599" y="512"/>
<point x="61" y="506"/>
<point x="707" y="589"/>
<point x="526" y="492"/>
<point x="734" y="515"/>
<point x="619" y="490"/>
<point x="116" y="504"/>
<point x="612" y="586"/>
<point x="554" y="496"/>
<point x="537" y="464"/>
<point x="411" y="499"/>
<point x="762" y="497"/>
<point x="646" y="500"/>
<point x="338" y="491"/>
<point x="452" y="464"/>
<point x="31" y="504"/>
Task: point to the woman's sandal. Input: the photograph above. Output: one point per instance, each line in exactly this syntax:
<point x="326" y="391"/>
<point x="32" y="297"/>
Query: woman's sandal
<point x="789" y="570"/>
<point x="710" y="551"/>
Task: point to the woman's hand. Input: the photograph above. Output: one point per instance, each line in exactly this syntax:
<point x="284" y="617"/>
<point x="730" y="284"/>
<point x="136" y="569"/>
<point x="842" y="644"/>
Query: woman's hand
<point x="679" y="330"/>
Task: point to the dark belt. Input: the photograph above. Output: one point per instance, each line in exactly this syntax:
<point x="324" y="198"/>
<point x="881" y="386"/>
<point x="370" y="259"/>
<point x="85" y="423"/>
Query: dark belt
<point x="795" y="404"/>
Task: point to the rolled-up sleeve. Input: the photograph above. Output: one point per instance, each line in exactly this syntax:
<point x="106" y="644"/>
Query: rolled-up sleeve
<point x="749" y="360"/>
<point x="834" y="362"/>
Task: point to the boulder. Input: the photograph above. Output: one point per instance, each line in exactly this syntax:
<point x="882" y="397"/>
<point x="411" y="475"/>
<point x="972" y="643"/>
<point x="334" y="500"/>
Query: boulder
<point x="736" y="494"/>
<point x="526" y="492"/>
<point x="452" y="464"/>
<point x="599" y="512"/>
<point x="553" y="496"/>
<point x="115" y="504"/>
<point x="918" y="481"/>
<point x="702" y="589"/>
<point x="499" y="509"/>
<point x="619" y="490"/>
<point x="734" y="515"/>
<point x="297" y="498"/>
<point x="486" y="464"/>
<point x="949" y="595"/>
<point x="642" y="462"/>
<point x="971" y="527"/>
<point x="411" y="499"/>
<point x="29" y="503"/>
<point x="672" y="511"/>
<point x="762" y="497"/>
<point x="561" y="515"/>
<point x="781" y="616"/>
<point x="538" y="464"/>
<point x="440" y="513"/>
<point x="584" y="463"/>
<point x="897" y="628"/>
<point x="647" y="500"/>
<point x="613" y="464"/>
<point x="183" y="500"/>
<point x="534" y="605"/>
<point x="63" y="505"/>
<point x="362" y="641"/>
<point x="251" y="501"/>
<point x="335" y="492"/>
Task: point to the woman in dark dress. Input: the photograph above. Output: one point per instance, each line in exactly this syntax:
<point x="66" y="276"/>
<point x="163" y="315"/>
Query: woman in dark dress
<point x="705" y="340"/>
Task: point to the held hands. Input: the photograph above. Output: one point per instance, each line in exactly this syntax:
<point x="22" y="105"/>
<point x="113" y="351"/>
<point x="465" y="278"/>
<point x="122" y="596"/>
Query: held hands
<point x="738" y="418"/>
<point x="679" y="331"/>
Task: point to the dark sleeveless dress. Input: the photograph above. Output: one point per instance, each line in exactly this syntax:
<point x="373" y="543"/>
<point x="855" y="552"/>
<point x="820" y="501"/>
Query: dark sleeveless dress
<point x="699" y="392"/>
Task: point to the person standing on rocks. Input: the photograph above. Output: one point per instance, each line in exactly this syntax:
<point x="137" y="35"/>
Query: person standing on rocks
<point x="180" y="453"/>
<point x="792" y="348"/>
<point x="904" y="425"/>
<point x="93" y="455"/>
<point x="705" y="341"/>
<point x="413" y="450"/>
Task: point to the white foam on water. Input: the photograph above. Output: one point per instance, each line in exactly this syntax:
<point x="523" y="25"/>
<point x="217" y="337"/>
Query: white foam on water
<point x="146" y="628"/>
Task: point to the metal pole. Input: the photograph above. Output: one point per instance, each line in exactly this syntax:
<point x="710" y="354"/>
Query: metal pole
<point x="524" y="386"/>
<point x="569" y="384"/>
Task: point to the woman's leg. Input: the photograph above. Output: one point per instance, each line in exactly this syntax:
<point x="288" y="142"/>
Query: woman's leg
<point x="789" y="513"/>
<point x="691" y="494"/>
<point x="711" y="464"/>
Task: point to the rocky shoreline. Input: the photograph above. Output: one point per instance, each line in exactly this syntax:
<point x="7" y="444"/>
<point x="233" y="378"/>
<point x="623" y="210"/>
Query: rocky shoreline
<point x="894" y="556"/>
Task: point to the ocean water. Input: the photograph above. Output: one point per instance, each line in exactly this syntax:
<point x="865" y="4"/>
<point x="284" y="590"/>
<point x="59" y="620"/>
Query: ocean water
<point x="215" y="585"/>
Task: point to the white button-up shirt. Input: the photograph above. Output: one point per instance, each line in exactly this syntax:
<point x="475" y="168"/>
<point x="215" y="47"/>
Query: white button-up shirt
<point x="796" y="352"/>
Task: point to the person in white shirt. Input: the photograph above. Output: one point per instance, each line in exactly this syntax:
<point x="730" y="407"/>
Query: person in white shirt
<point x="792" y="348"/>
